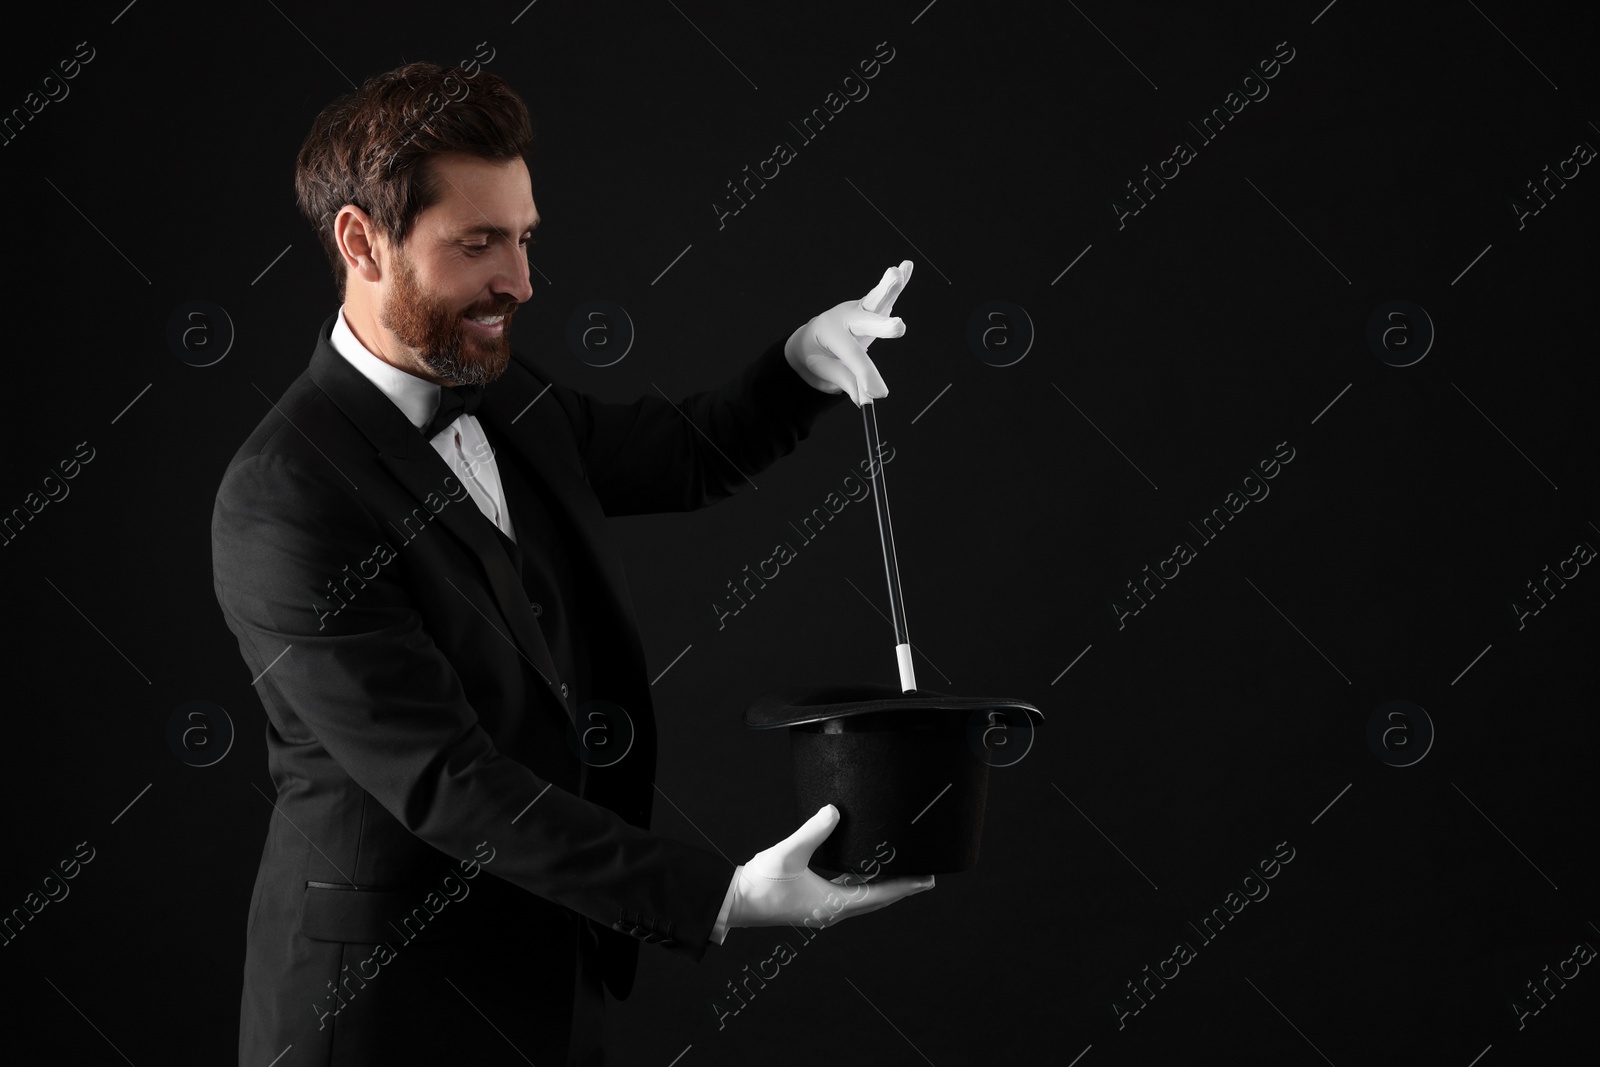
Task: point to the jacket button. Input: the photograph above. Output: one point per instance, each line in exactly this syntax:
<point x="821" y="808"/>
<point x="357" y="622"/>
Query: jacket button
<point x="537" y="610"/>
<point x="563" y="688"/>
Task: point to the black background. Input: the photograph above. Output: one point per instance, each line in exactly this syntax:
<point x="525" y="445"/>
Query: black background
<point x="1178" y="351"/>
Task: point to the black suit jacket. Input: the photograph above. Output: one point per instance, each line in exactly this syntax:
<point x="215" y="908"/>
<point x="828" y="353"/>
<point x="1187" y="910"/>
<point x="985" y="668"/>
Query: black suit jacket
<point x="409" y="730"/>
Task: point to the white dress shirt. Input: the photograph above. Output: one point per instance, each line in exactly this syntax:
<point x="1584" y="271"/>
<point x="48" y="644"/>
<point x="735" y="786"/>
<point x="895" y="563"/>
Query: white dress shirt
<point x="462" y="444"/>
<point x="465" y="449"/>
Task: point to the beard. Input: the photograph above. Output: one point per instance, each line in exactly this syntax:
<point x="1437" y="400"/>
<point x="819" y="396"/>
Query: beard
<point x="446" y="345"/>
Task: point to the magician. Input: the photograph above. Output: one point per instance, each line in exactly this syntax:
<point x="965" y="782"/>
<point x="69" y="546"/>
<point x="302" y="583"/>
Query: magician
<point x="411" y="549"/>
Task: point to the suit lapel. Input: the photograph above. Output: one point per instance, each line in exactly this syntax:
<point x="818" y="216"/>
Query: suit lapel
<point x="416" y="466"/>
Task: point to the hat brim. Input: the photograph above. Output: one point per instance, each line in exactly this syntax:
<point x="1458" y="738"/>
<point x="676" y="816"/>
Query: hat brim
<point x="798" y="707"/>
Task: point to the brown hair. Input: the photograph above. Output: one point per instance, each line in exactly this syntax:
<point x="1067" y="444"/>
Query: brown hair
<point x="371" y="147"/>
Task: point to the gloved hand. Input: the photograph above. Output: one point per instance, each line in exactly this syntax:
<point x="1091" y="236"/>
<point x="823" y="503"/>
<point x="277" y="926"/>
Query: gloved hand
<point x="830" y="351"/>
<point x="777" y="887"/>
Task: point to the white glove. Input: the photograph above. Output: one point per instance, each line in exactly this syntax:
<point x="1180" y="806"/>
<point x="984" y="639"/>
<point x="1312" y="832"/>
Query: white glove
<point x="830" y="351"/>
<point x="776" y="886"/>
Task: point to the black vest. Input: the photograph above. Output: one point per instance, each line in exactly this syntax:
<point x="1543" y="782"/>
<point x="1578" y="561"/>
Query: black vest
<point x="541" y="558"/>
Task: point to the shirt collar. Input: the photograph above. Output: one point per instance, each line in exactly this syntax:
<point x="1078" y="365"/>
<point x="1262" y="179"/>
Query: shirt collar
<point x="417" y="398"/>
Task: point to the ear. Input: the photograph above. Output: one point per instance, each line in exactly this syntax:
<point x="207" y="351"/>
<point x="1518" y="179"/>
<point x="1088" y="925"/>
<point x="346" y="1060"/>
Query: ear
<point x="358" y="238"/>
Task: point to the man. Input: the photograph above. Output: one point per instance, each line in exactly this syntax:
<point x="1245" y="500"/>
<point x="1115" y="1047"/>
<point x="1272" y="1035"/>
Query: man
<point x="410" y="549"/>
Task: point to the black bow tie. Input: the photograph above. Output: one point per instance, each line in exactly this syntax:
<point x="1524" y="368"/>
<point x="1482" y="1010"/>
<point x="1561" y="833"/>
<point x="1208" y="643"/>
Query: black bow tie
<point x="454" y="400"/>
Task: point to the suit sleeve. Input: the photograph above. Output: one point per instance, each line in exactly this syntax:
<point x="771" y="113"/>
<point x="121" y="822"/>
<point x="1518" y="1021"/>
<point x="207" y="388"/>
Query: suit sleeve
<point x="371" y="686"/>
<point x="654" y="454"/>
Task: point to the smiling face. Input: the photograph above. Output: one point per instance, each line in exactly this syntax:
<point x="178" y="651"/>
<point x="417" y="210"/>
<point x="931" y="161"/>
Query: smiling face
<point x="465" y="258"/>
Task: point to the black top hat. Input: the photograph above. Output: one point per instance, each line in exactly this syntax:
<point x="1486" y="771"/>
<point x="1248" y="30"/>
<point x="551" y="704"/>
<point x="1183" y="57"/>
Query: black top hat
<point x="908" y="771"/>
<point x="798" y="706"/>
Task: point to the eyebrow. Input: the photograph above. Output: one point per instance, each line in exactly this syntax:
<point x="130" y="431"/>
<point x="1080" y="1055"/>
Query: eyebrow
<point x="488" y="230"/>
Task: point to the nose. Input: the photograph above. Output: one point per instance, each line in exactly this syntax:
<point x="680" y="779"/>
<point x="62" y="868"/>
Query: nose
<point x="515" y="283"/>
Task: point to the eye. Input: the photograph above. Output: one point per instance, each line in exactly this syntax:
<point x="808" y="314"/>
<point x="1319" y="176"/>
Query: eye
<point x="477" y="250"/>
